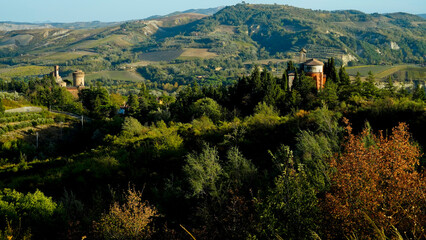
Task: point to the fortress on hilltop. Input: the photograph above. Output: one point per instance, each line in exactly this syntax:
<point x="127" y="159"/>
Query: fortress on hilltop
<point x="77" y="83"/>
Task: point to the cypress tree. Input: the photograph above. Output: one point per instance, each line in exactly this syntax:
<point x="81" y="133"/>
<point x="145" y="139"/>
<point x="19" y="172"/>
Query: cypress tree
<point x="344" y="77"/>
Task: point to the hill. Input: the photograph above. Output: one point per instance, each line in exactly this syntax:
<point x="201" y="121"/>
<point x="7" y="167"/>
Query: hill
<point x="13" y="26"/>
<point x="422" y="15"/>
<point x="241" y="33"/>
<point x="206" y="11"/>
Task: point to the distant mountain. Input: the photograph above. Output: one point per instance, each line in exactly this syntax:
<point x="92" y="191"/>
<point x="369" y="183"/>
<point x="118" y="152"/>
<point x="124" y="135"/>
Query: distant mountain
<point x="207" y="11"/>
<point x="422" y="15"/>
<point x="12" y="26"/>
<point x="84" y="25"/>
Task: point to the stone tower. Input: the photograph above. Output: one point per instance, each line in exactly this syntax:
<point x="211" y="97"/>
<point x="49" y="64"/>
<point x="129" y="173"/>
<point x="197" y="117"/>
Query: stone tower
<point x="78" y="78"/>
<point x="302" y="57"/>
<point x="57" y="77"/>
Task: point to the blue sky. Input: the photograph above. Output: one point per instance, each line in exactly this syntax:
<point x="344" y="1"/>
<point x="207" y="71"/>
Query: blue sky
<point x="120" y="10"/>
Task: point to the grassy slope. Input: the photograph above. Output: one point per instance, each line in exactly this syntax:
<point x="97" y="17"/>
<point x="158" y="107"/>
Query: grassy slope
<point x="22" y="71"/>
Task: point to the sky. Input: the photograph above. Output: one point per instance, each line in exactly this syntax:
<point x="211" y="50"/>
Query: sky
<point x="121" y="10"/>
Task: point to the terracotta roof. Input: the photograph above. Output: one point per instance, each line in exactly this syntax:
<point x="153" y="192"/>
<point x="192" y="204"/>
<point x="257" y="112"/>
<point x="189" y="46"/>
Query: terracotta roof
<point x="313" y="62"/>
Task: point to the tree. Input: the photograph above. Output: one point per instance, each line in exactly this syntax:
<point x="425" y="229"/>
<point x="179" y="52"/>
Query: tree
<point x="390" y="87"/>
<point x="419" y="93"/>
<point x="290" y="208"/>
<point x="132" y="127"/>
<point x="207" y="107"/>
<point x="203" y="170"/>
<point x="129" y="220"/>
<point x="376" y="176"/>
<point x="331" y="72"/>
<point x="35" y="210"/>
<point x="97" y="101"/>
<point x="368" y="87"/>
<point x="238" y="169"/>
<point x="284" y="82"/>
<point x="2" y="108"/>
<point x="329" y="95"/>
<point x="133" y="103"/>
<point x="344" y="76"/>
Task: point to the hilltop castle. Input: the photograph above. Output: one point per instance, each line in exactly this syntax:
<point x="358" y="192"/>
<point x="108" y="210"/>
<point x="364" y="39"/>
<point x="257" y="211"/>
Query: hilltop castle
<point x="78" y="80"/>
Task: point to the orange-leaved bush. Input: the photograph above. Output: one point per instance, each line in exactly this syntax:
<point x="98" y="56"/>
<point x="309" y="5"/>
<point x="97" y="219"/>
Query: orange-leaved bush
<point x="128" y="221"/>
<point x="376" y="178"/>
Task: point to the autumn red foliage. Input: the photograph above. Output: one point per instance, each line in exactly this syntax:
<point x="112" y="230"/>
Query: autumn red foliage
<point x="376" y="177"/>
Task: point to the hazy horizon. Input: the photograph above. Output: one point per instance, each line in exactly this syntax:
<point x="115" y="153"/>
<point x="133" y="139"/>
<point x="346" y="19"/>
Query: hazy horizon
<point x="44" y="11"/>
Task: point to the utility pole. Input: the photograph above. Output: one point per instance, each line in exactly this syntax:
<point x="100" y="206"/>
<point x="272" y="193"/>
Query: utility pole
<point x="36" y="139"/>
<point x="82" y="121"/>
<point x="61" y="129"/>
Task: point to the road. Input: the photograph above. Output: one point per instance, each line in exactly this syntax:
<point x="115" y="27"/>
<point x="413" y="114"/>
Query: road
<point x="39" y="109"/>
<point x="24" y="109"/>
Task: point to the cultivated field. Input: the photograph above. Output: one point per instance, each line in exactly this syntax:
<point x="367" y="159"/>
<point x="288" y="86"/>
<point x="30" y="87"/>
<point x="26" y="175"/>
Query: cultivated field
<point x="24" y="71"/>
<point x="190" y="53"/>
<point x="409" y="72"/>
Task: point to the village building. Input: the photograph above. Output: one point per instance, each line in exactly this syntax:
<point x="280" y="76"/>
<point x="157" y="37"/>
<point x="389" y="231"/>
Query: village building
<point x="312" y="68"/>
<point x="315" y="69"/>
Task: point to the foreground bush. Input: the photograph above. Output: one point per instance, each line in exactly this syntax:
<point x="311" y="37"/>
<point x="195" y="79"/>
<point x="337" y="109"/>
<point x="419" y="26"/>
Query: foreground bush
<point x="376" y="180"/>
<point x="127" y="221"/>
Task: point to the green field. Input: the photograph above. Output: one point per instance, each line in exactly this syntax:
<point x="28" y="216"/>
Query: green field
<point x="363" y="70"/>
<point x="115" y="75"/>
<point x="396" y="71"/>
<point x="24" y="71"/>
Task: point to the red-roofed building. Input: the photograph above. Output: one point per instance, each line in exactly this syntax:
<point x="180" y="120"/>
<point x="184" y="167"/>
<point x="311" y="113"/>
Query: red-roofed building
<point x="315" y="69"/>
